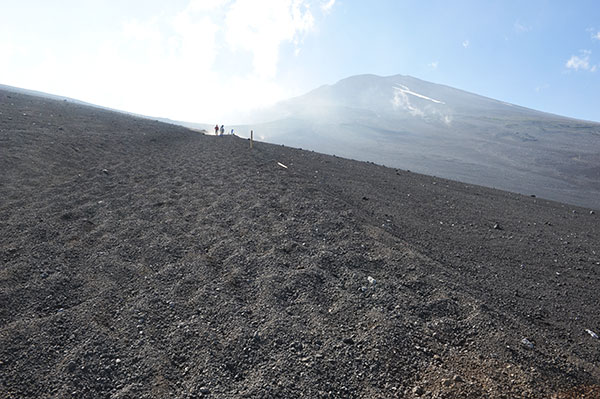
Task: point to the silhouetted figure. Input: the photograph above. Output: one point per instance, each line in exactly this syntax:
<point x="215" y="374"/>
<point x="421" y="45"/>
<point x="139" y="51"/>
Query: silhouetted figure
<point x="222" y="129"/>
<point x="217" y="129"/>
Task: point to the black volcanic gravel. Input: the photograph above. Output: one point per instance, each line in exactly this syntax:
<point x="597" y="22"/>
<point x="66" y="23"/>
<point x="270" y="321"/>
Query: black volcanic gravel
<point x="144" y="260"/>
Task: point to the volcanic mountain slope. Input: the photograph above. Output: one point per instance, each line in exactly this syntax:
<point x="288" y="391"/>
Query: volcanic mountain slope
<point x="144" y="260"/>
<point x="408" y="123"/>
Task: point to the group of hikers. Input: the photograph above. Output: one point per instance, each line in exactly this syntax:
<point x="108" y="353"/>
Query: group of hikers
<point x="219" y="131"/>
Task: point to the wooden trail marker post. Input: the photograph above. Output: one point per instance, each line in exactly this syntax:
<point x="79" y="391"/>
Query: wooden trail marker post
<point x="251" y="138"/>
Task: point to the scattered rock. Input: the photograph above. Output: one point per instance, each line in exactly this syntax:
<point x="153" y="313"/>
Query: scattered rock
<point x="371" y="280"/>
<point x="418" y="391"/>
<point x="348" y="341"/>
<point x="105" y="171"/>
<point x="204" y="390"/>
<point x="497" y="227"/>
<point x="592" y="212"/>
<point x="593" y="334"/>
<point x="527" y="343"/>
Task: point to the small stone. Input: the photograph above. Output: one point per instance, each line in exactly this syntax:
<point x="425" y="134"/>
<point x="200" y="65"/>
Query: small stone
<point x="348" y="341"/>
<point x="527" y="343"/>
<point x="592" y="334"/>
<point x="592" y="212"/>
<point x="105" y="171"/>
<point x="117" y="361"/>
<point x="204" y="390"/>
<point x="497" y="227"/>
<point x="458" y="378"/>
<point x="418" y="391"/>
<point x="371" y="280"/>
<point x="446" y="382"/>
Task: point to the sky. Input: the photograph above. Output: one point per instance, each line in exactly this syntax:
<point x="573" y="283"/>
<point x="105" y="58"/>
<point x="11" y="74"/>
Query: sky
<point x="215" y="61"/>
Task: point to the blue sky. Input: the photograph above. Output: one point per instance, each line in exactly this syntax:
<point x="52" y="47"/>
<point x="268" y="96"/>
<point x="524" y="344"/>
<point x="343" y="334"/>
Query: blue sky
<point x="216" y="60"/>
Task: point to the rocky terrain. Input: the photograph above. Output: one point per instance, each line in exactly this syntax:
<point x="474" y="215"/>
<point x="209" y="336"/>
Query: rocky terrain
<point x="144" y="260"/>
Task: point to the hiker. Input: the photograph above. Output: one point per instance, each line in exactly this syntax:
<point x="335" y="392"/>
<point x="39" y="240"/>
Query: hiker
<point x="217" y="129"/>
<point x="232" y="132"/>
<point x="222" y="129"/>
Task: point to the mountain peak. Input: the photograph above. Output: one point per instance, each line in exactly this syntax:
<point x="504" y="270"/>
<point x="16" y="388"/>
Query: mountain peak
<point x="406" y="122"/>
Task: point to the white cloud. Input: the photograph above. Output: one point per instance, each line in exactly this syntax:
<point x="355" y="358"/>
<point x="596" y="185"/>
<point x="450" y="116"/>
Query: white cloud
<point x="433" y="65"/>
<point x="580" y="63"/>
<point x="596" y="36"/>
<point x="326" y="7"/>
<point x="466" y="43"/>
<point x="205" y="5"/>
<point x="137" y="30"/>
<point x="261" y="26"/>
<point x="208" y="60"/>
<point x="401" y="101"/>
<point x="520" y="28"/>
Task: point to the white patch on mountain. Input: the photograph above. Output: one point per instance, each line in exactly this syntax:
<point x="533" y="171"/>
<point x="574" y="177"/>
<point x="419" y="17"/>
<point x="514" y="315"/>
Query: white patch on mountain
<point x="406" y="90"/>
<point x="401" y="101"/>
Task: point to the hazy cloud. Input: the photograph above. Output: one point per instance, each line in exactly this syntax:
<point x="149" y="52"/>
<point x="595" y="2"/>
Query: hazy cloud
<point x="542" y="87"/>
<point x="261" y="26"/>
<point x="581" y="62"/>
<point x="326" y="7"/>
<point x="466" y="43"/>
<point x="207" y="58"/>
<point x="596" y="36"/>
<point x="7" y="51"/>
<point x="401" y="101"/>
<point x="520" y="28"/>
<point x="205" y="5"/>
<point x="433" y="65"/>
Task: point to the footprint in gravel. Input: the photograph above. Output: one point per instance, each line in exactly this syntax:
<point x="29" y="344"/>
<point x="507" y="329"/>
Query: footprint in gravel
<point x="444" y="307"/>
